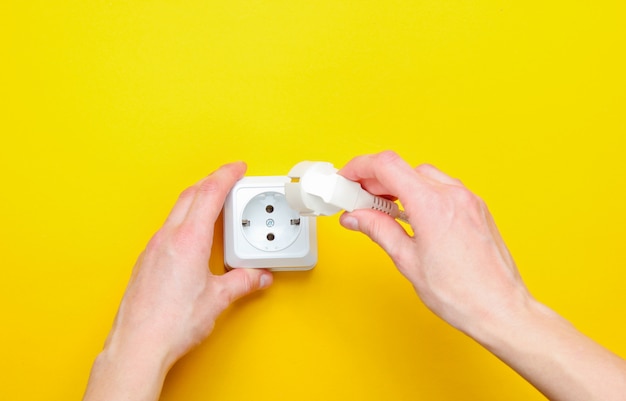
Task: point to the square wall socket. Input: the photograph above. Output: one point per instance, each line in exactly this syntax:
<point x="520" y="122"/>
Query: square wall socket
<point x="262" y="231"/>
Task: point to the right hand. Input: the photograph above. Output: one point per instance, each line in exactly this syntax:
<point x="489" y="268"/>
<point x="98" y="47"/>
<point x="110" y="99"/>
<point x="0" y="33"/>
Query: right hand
<point x="461" y="269"/>
<point x="456" y="258"/>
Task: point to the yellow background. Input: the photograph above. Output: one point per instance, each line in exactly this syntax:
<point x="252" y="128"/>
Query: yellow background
<point x="110" y="109"/>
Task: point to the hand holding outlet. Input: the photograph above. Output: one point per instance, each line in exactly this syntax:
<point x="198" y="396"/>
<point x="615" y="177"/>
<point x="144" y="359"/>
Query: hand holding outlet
<point x="172" y="300"/>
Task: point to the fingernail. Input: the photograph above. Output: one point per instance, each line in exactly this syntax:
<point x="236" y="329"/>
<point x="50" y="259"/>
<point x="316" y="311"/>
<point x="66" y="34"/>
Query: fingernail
<point x="350" y="223"/>
<point x="265" y="282"/>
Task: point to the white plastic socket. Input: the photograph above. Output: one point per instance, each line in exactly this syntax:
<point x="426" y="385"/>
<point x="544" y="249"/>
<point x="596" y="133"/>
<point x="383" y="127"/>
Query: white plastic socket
<point x="262" y="231"/>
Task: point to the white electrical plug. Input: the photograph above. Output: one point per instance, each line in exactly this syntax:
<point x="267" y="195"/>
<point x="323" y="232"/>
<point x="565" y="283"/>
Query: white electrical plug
<point x="261" y="230"/>
<point x="316" y="189"/>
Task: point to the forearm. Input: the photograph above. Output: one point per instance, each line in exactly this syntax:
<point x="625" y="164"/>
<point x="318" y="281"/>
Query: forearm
<point x="556" y="358"/>
<point x="125" y="375"/>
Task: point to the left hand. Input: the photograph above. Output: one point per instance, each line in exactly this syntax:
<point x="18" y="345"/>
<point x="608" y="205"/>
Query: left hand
<point x="172" y="300"/>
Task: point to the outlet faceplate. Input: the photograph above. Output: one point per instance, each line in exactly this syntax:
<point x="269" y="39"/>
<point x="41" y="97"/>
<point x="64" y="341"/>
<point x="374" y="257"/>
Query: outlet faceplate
<point x="262" y="231"/>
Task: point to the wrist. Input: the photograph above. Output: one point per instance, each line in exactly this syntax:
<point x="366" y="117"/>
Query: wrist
<point x="127" y="371"/>
<point x="513" y="325"/>
<point x="550" y="353"/>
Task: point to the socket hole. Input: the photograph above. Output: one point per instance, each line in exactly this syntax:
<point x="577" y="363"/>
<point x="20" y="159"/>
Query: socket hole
<point x="257" y="223"/>
<point x="269" y="208"/>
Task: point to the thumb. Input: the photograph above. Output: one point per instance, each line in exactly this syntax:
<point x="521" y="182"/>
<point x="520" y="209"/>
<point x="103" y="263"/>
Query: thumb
<point x="241" y="282"/>
<point x="381" y="228"/>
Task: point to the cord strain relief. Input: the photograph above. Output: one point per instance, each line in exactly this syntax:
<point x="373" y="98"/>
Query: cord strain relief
<point x="383" y="205"/>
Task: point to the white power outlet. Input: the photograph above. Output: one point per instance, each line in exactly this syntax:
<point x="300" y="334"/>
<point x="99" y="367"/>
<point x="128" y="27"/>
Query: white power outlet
<point x="262" y="231"/>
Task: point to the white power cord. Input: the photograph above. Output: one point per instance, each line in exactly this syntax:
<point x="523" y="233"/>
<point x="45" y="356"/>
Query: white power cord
<point x="316" y="189"/>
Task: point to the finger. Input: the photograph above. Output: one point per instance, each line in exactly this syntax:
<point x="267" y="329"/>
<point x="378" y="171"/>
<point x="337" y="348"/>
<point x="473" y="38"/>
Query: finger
<point x="185" y="200"/>
<point x="181" y="207"/>
<point x="209" y="196"/>
<point x="240" y="282"/>
<point x="384" y="173"/>
<point x="382" y="229"/>
<point x="433" y="173"/>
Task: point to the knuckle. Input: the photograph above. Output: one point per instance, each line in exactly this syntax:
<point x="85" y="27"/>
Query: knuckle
<point x="465" y="197"/>
<point x="471" y="205"/>
<point x="187" y="193"/>
<point x="247" y="284"/>
<point x="221" y="296"/>
<point x="372" y="229"/>
<point x="375" y="231"/>
<point x="182" y="235"/>
<point x="224" y="296"/>
<point x="157" y="241"/>
<point x="403" y="260"/>
<point x="425" y="168"/>
<point x="209" y="186"/>
<point x="388" y="156"/>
